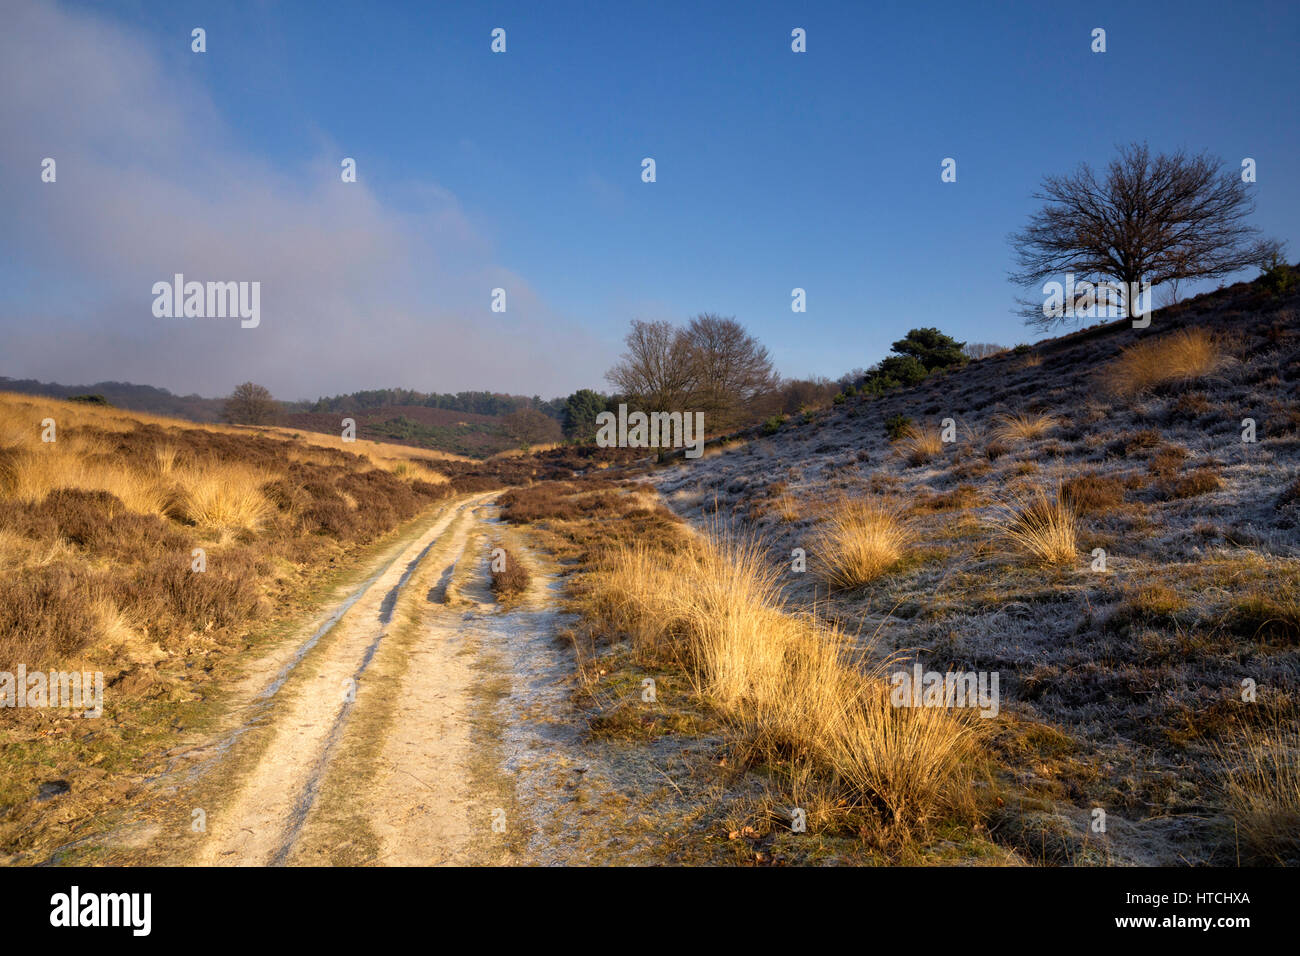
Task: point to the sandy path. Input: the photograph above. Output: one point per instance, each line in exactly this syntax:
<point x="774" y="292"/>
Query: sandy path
<point x="261" y="821"/>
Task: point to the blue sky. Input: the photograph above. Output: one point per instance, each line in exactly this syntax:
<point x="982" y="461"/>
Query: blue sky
<point x="775" y="170"/>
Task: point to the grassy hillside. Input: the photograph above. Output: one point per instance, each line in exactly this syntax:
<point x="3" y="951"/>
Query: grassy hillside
<point x="443" y="431"/>
<point x="438" y="429"/>
<point x="1097" y="534"/>
<point x="136" y="398"/>
<point x="1160" y="686"/>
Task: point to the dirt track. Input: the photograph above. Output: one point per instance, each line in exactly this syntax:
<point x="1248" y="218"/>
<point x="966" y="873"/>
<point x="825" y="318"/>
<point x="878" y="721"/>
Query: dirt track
<point x="386" y="730"/>
<point x="270" y="805"/>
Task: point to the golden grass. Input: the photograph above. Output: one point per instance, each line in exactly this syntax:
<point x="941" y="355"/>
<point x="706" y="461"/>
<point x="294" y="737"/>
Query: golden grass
<point x="920" y="445"/>
<point x="21" y="414"/>
<point x="514" y="452"/>
<point x="378" y="452"/>
<point x="213" y="494"/>
<point x="1181" y="356"/>
<point x="225" y="497"/>
<point x="1043" y="526"/>
<point x="786" y="507"/>
<point x="32" y="470"/>
<point x="859" y="542"/>
<point x="1023" y="427"/>
<point x="791" y="687"/>
<point x="1261" y="787"/>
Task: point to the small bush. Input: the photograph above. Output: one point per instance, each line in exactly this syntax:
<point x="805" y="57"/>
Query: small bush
<point x="1092" y="494"/>
<point x="896" y="426"/>
<point x="1168" y="461"/>
<point x="1277" y="278"/>
<point x="1202" y="481"/>
<point x="48" y="613"/>
<point x="510" y="576"/>
<point x="1191" y="405"/>
<point x="1138" y="442"/>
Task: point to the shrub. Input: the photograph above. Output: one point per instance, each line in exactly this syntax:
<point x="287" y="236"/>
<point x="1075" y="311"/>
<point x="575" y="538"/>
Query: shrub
<point x="1091" y="494"/>
<point x="1277" y="277"/>
<point x="896" y="426"/>
<point x="1167" y="461"/>
<point x="995" y="450"/>
<point x="1137" y="442"/>
<point x="48" y="613"/>
<point x="1202" y="481"/>
<point x="510" y="576"/>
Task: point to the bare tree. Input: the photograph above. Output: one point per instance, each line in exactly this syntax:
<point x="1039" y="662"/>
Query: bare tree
<point x="250" y="404"/>
<point x="530" y="427"/>
<point x="712" y="365"/>
<point x="979" y="350"/>
<point x="732" y="369"/>
<point x="656" y="372"/>
<point x="1167" y="218"/>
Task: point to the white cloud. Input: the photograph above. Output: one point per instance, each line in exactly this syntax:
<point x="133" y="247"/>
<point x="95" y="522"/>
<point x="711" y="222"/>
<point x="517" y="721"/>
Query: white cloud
<point x="355" y="293"/>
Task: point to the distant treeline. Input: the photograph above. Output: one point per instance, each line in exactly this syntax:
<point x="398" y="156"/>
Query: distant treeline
<point x="477" y="403"/>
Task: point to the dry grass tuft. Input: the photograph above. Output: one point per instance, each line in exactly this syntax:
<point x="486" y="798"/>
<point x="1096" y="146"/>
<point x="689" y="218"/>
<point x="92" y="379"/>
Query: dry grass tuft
<point x="1261" y="787"/>
<point x="860" y="541"/>
<point x="786" y="507"/>
<point x="1023" y="427"/>
<point x="1043" y="526"/>
<point x="920" y="446"/>
<point x="1181" y="356"/>
<point x="221" y="498"/>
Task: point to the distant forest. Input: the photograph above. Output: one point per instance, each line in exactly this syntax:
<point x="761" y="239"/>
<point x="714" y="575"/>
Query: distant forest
<point x="476" y="403"/>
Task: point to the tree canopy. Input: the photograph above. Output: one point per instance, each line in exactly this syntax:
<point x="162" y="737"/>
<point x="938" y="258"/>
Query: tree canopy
<point x="1149" y="219"/>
